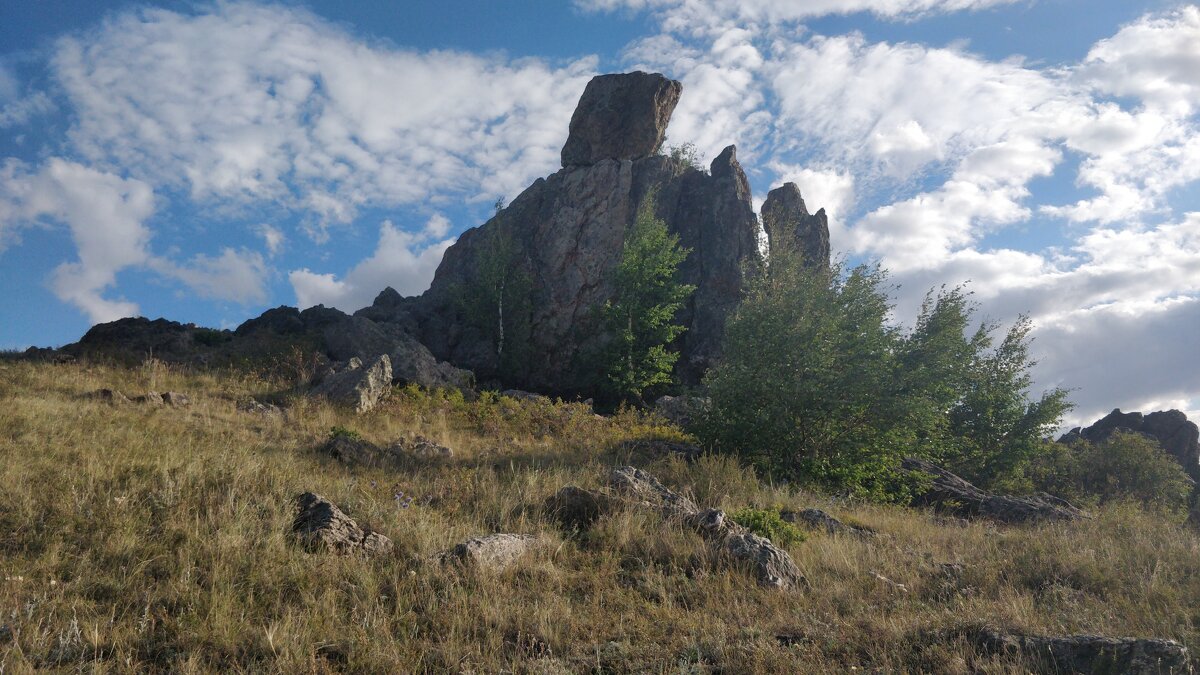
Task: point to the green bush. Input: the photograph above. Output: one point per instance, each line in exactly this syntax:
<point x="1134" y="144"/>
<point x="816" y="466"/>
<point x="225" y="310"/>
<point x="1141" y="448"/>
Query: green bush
<point x="1125" y="467"/>
<point x="817" y="385"/>
<point x="343" y="432"/>
<point x="768" y="523"/>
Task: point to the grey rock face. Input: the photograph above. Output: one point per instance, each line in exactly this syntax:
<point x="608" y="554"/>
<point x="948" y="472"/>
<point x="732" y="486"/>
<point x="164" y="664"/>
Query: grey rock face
<point x="413" y="363"/>
<point x="358" y="386"/>
<point x="354" y="451"/>
<point x="786" y="219"/>
<point x="816" y="519"/>
<point x="254" y="407"/>
<point x="319" y="524"/>
<point x="1171" y="428"/>
<point x="420" y="447"/>
<point x="174" y="398"/>
<point x="638" y="485"/>
<point x="1089" y="653"/>
<point x="772" y="565"/>
<point x="962" y="499"/>
<point x="681" y="410"/>
<point x="620" y="116"/>
<point x="493" y="552"/>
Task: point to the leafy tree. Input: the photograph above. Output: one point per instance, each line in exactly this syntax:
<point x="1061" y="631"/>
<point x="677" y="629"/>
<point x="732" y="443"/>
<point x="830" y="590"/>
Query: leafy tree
<point x="497" y="302"/>
<point x="640" y="318"/>
<point x="817" y="385"/>
<point x="1124" y="467"/>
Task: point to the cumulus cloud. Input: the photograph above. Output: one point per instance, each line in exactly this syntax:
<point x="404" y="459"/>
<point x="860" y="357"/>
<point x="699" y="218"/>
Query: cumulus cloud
<point x="251" y="103"/>
<point x="272" y="237"/>
<point x="680" y="13"/>
<point x="234" y="275"/>
<point x="105" y="214"/>
<point x="402" y="260"/>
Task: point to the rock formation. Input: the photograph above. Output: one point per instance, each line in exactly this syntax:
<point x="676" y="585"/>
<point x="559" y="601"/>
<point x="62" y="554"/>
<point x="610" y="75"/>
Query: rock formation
<point x="954" y="495"/>
<point x="493" y="552"/>
<point x="546" y="260"/>
<point x="1170" y="428"/>
<point x="1087" y="653"/>
<point x="787" y="222"/>
<point x="319" y="524"/>
<point x="357" y="385"/>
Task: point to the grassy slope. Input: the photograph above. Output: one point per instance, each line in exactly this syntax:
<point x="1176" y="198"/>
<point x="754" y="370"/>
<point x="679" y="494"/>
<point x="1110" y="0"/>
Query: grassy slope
<point x="134" y="538"/>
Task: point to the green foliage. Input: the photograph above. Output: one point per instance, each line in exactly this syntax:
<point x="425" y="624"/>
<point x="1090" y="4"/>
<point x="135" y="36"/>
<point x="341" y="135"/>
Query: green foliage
<point x="497" y="302"/>
<point x="817" y="386"/>
<point x="1125" y="467"/>
<point x="768" y="523"/>
<point x="640" y="319"/>
<point x="211" y="338"/>
<point x="343" y="432"/>
<point x="685" y="156"/>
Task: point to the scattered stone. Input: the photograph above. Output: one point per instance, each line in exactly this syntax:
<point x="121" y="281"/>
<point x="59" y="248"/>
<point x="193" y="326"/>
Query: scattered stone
<point x="357" y="385"/>
<point x="493" y="552"/>
<point x="889" y="583"/>
<point x="954" y="495"/>
<point x="110" y="396"/>
<point x="576" y="508"/>
<point x="421" y="447"/>
<point x="635" y="484"/>
<point x="816" y="519"/>
<point x="682" y="410"/>
<point x="319" y="524"/>
<point x="353" y="450"/>
<point x="174" y="398"/>
<point x="620" y="116"/>
<point x="149" y="398"/>
<point x="254" y="407"/>
<point x="772" y="565"/>
<point x="1088" y="653"/>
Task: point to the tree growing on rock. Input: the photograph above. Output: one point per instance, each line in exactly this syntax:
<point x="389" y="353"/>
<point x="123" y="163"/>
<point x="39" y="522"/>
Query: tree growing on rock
<point x="497" y="303"/>
<point x="640" y="318"/>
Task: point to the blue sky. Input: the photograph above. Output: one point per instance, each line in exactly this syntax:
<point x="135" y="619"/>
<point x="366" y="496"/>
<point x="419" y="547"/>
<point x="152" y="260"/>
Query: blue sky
<point x="206" y="161"/>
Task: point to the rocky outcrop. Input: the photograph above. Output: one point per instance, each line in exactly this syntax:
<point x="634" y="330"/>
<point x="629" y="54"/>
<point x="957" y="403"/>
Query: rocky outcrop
<point x="320" y="525"/>
<point x="493" y="552"/>
<point x="1170" y="428"/>
<point x="620" y="116"/>
<point x="358" y="386"/>
<point x="681" y="410"/>
<point x="788" y="223"/>
<point x="1087" y="653"/>
<point x="549" y="256"/>
<point x="949" y="493"/>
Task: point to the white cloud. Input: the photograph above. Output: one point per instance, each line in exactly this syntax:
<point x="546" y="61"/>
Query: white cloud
<point x="238" y="276"/>
<point x="105" y="214"/>
<point x="250" y="103"/>
<point x="273" y="237"/>
<point x="404" y="261"/>
<point x="1155" y="59"/>
<point x="678" y="14"/>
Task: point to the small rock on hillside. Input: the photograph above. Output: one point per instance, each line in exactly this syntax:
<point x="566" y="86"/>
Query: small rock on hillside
<point x="319" y="524"/>
<point x="816" y="519"/>
<point x="493" y="552"/>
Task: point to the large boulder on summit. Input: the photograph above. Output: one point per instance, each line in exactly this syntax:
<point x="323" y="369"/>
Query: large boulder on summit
<point x="786" y="219"/>
<point x="1171" y="428"/>
<point x="620" y="116"/>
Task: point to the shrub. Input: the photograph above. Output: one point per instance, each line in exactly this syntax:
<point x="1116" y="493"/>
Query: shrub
<point x="768" y="523"/>
<point x="343" y="432"/>
<point x="1125" y="467"/>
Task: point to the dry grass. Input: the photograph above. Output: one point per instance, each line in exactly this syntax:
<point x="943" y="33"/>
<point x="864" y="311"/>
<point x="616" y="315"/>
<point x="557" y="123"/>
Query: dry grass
<point x="144" y="539"/>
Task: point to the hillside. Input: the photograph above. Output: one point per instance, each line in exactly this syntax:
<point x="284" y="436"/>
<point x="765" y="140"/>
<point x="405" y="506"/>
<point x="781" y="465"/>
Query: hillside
<point x="143" y="537"/>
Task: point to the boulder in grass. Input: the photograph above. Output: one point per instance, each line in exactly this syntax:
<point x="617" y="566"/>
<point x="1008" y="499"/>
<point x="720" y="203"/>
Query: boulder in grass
<point x="174" y="398"/>
<point x="1088" y="653"/>
<point x="321" y="525"/>
<point x="493" y="552"/>
<point x="816" y="519"/>
<point x="110" y="396"/>
<point x="358" y="386"/>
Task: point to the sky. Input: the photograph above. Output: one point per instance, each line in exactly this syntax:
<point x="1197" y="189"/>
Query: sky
<point x="207" y="161"/>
